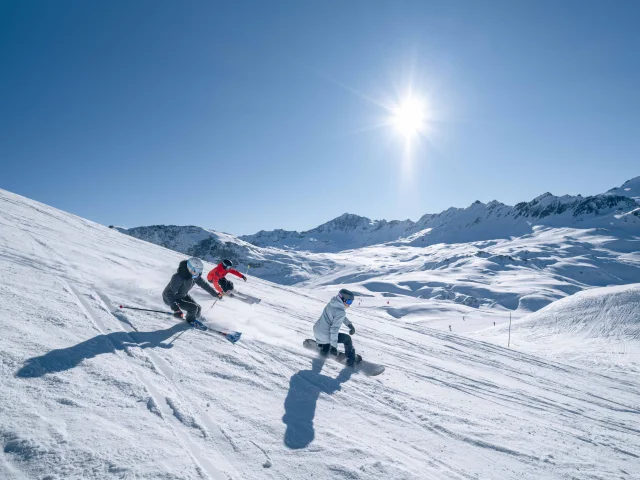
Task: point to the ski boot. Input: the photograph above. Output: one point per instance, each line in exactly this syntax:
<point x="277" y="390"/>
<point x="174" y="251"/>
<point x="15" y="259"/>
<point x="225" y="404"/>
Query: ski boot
<point x="352" y="361"/>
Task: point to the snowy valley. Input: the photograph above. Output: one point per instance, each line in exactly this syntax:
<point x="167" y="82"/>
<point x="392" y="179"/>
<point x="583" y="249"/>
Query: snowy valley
<point x="489" y="257"/>
<point x="90" y="394"/>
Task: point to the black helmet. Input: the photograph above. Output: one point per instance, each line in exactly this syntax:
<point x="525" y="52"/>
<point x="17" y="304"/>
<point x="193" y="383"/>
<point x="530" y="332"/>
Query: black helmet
<point x="346" y="295"/>
<point x="227" y="264"/>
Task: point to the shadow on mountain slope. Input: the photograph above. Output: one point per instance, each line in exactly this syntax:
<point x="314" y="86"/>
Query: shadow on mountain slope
<point x="300" y="405"/>
<point x="63" y="359"/>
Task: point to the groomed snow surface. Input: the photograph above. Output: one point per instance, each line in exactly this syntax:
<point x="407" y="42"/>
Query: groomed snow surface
<point x="599" y="326"/>
<point x="87" y="394"/>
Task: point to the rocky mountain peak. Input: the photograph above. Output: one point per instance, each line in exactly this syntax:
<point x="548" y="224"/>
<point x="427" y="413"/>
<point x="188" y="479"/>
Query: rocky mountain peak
<point x="478" y="221"/>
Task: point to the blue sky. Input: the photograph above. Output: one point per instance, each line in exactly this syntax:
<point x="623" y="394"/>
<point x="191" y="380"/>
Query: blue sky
<point x="241" y="116"/>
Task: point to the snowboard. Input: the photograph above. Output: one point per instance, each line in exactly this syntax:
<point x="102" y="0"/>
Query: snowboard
<point x="367" y="368"/>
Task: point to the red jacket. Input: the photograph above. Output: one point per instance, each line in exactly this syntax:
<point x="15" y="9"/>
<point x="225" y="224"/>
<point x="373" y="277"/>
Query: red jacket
<point x="219" y="272"/>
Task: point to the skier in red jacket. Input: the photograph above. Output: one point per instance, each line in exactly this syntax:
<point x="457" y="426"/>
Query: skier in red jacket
<point x="216" y="276"/>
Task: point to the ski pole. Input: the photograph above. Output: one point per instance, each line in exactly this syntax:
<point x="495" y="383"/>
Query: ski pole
<point x="146" y="310"/>
<point x="213" y="304"/>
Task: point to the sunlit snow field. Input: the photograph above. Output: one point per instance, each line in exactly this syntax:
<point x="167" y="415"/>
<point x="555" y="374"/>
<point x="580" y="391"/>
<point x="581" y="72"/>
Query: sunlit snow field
<point x="87" y="394"/>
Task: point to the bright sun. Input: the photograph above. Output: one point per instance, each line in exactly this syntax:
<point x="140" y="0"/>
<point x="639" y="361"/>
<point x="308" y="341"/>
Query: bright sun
<point x="409" y="117"/>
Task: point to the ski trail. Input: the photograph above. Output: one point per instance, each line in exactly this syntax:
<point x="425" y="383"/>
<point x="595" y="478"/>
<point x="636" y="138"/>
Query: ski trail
<point x="217" y="435"/>
<point x="201" y="461"/>
<point x="361" y="392"/>
<point x="163" y="409"/>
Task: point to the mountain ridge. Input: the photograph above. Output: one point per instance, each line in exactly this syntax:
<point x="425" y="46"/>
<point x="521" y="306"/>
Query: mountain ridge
<point x="558" y="245"/>
<point x="478" y="221"/>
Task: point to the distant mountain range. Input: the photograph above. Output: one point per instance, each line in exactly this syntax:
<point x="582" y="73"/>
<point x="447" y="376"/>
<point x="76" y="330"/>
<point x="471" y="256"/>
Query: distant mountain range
<point x="617" y="208"/>
<point x="448" y="255"/>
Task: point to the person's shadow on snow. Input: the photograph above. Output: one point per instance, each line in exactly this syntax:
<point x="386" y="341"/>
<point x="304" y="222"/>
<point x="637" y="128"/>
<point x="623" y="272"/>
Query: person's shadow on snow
<point x="300" y="405"/>
<point x="68" y="358"/>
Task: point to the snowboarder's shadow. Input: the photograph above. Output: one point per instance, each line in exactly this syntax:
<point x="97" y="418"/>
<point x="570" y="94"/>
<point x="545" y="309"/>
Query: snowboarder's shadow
<point x="67" y="358"/>
<point x="300" y="405"/>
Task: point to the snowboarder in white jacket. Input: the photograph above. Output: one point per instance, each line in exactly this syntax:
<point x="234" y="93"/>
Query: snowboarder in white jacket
<point x="327" y="328"/>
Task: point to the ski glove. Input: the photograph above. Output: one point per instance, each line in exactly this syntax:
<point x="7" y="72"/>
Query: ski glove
<point x="352" y="329"/>
<point x="178" y="314"/>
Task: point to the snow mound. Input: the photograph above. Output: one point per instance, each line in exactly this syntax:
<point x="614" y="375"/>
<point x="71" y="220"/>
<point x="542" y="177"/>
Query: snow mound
<point x="610" y="312"/>
<point x="599" y="325"/>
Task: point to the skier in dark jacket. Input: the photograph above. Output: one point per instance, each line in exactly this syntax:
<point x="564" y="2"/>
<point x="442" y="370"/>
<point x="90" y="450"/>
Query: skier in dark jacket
<point x="176" y="294"/>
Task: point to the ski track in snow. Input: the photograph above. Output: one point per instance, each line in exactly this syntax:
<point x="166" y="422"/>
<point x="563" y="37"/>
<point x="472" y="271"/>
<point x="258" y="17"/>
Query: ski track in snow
<point x="168" y="409"/>
<point x="210" y="428"/>
<point x="87" y="394"/>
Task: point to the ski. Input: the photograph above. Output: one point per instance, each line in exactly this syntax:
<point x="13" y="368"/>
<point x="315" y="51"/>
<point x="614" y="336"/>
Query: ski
<point x="197" y="325"/>
<point x="248" y="299"/>
<point x="232" y="336"/>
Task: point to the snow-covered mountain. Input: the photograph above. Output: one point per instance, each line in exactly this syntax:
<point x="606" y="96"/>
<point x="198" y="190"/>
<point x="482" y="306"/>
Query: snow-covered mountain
<point x="345" y="232"/>
<point x="630" y="188"/>
<point x="92" y="394"/>
<point x="479" y="221"/>
<point x="484" y="256"/>
<point x="496" y="220"/>
<point x="282" y="266"/>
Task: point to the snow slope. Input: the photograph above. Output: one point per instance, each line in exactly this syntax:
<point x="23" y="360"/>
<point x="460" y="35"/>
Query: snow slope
<point x="524" y="273"/>
<point x="600" y="325"/>
<point x="87" y="394"/>
<point x="630" y="188"/>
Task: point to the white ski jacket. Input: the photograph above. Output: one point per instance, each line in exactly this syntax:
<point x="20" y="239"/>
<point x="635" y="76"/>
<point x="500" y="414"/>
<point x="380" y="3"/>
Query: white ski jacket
<point x="328" y="325"/>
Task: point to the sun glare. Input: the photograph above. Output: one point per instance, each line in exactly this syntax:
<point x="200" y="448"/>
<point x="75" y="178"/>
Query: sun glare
<point x="409" y="117"/>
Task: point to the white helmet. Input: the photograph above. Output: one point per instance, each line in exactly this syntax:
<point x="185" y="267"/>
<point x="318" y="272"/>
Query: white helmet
<point x="194" y="265"/>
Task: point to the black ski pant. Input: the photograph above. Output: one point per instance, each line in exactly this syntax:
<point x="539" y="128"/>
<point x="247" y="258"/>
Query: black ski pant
<point x="348" y="346"/>
<point x="225" y="285"/>
<point x="190" y="306"/>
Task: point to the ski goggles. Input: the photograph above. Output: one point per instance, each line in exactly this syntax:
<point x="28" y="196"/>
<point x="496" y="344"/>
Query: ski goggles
<point x="348" y="302"/>
<point x="194" y="272"/>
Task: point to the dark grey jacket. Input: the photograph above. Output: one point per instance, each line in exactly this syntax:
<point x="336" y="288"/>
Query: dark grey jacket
<point x="180" y="284"/>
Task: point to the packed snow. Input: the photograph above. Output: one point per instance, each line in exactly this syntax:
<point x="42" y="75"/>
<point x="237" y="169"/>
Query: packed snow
<point x="600" y="325"/>
<point x="91" y="394"/>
